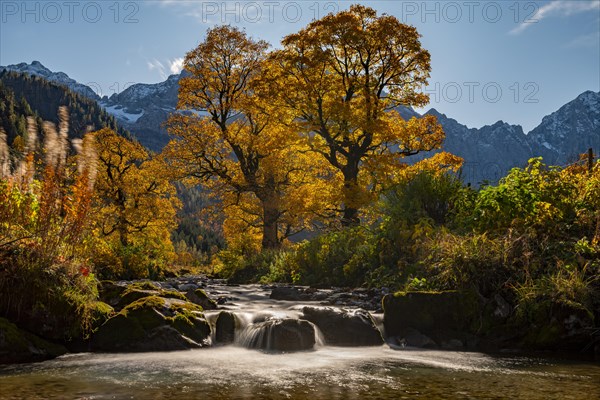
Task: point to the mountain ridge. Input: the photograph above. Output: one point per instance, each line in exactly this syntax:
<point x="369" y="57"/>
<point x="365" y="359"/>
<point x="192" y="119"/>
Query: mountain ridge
<point x="489" y="151"/>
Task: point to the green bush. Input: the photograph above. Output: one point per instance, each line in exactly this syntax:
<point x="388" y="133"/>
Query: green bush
<point x="141" y="261"/>
<point x="53" y="299"/>
<point x="243" y="268"/>
<point x="536" y="196"/>
<point x="340" y="258"/>
<point x="426" y="196"/>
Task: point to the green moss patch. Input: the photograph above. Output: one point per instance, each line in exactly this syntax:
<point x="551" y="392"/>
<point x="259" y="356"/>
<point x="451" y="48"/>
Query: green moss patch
<point x="200" y="298"/>
<point x="144" y="285"/>
<point x="153" y="323"/>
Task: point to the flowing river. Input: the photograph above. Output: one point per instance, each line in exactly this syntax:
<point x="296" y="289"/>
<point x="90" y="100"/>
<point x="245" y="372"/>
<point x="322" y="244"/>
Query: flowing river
<point x="235" y="372"/>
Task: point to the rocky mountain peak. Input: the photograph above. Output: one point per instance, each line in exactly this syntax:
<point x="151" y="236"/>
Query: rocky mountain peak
<point x="36" y="68"/>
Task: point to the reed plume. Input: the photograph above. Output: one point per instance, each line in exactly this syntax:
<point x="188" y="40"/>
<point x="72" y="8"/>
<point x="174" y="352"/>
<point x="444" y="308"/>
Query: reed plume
<point x="51" y="144"/>
<point x="4" y="155"/>
<point x="32" y="130"/>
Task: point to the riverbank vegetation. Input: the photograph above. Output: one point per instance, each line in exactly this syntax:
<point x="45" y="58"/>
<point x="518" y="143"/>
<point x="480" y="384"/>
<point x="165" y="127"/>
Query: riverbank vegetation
<point x="304" y="141"/>
<point x="535" y="236"/>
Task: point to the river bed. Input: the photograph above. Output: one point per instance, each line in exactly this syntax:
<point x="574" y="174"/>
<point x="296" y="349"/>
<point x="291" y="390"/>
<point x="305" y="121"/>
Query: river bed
<point x="326" y="372"/>
<point x="231" y="372"/>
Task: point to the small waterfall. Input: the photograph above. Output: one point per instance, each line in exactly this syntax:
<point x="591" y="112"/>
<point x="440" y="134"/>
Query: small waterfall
<point x="319" y="337"/>
<point x="252" y="319"/>
<point x="279" y="334"/>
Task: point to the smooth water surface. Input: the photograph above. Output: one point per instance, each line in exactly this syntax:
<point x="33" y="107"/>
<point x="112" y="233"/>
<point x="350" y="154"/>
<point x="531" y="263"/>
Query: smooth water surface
<point x="327" y="373"/>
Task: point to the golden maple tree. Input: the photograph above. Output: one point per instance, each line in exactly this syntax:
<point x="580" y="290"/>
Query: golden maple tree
<point x="227" y="137"/>
<point x="135" y="202"/>
<point x="343" y="78"/>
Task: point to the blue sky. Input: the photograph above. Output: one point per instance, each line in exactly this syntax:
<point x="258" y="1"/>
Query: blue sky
<point x="514" y="61"/>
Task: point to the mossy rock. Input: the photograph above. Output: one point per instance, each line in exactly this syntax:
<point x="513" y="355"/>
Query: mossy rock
<point x="138" y="291"/>
<point x="549" y="324"/>
<point x="431" y="313"/>
<point x="101" y="312"/>
<point x="154" y="323"/>
<point x="132" y="295"/>
<point x="110" y="292"/>
<point x="192" y="327"/>
<point x="173" y="294"/>
<point x="144" y="285"/>
<point x="17" y="345"/>
<point x="200" y="298"/>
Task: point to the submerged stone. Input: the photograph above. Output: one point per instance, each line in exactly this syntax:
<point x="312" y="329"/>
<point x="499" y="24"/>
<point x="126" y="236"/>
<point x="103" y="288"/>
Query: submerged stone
<point x="288" y="293"/>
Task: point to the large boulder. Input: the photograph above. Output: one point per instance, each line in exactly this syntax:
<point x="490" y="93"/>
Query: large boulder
<point x="199" y="296"/>
<point x="134" y="293"/>
<point x="548" y="324"/>
<point x="344" y="328"/>
<point x="435" y="314"/>
<point x="280" y="335"/>
<point x="110" y="292"/>
<point x="119" y="295"/>
<point x="154" y="324"/>
<point x="225" y="327"/>
<point x="18" y="346"/>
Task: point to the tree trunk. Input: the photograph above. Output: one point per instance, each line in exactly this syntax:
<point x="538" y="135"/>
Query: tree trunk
<point x="351" y="207"/>
<point x="270" y="238"/>
<point x="350" y="217"/>
<point x="122" y="229"/>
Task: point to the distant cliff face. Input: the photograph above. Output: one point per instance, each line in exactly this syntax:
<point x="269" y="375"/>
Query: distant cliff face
<point x="489" y="152"/>
<point x="570" y="131"/>
<point x="143" y="109"/>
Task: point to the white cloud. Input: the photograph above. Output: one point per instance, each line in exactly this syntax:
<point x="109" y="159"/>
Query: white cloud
<point x="557" y="7"/>
<point x="158" y="66"/>
<point x="220" y="12"/>
<point x="589" y="40"/>
<point x="176" y="65"/>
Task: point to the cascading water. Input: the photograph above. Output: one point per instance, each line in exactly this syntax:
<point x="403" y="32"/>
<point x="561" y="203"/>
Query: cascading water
<point x="279" y="335"/>
<point x="281" y="330"/>
<point x="234" y="369"/>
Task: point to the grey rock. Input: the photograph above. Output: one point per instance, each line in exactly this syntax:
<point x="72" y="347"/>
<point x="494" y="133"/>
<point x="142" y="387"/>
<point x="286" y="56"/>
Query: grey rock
<point x="280" y="335"/>
<point x="503" y="309"/>
<point x="225" y="327"/>
<point x="186" y="287"/>
<point x="199" y="297"/>
<point x="344" y="328"/>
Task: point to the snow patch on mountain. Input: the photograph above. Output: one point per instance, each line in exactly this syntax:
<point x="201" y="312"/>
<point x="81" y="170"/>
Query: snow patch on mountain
<point x="123" y="116"/>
